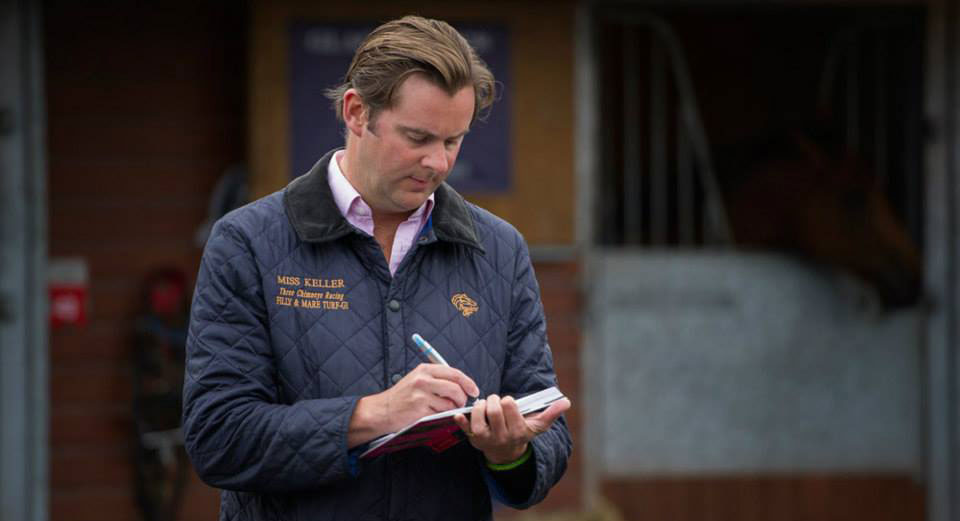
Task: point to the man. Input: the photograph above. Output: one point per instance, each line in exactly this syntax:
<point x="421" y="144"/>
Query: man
<point x="298" y="353"/>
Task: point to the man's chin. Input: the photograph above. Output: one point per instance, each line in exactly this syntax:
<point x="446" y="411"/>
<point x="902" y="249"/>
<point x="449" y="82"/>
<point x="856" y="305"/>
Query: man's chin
<point x="412" y="201"/>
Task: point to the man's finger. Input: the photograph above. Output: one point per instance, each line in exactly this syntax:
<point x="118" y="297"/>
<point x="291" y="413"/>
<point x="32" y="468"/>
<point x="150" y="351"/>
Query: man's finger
<point x="445" y="389"/>
<point x="495" y="416"/>
<point x="541" y="422"/>
<point x="463" y="423"/>
<point x="514" y="421"/>
<point x="454" y="375"/>
<point x="437" y="403"/>
<point x="478" y="418"/>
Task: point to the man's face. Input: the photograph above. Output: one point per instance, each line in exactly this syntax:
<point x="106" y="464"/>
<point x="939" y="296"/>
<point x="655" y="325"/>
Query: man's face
<point x="410" y="149"/>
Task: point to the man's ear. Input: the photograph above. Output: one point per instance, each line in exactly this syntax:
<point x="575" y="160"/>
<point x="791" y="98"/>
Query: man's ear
<point x="354" y="112"/>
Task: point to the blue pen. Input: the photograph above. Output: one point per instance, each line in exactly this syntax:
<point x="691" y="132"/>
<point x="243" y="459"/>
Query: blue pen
<point x="432" y="354"/>
<point x="428" y="350"/>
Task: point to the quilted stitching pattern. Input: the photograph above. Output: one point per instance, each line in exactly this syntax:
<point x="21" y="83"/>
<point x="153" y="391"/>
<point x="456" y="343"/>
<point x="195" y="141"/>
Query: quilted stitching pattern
<point x="270" y="388"/>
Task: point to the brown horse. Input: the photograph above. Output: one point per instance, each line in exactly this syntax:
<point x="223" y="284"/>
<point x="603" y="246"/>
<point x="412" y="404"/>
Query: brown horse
<point x="807" y="198"/>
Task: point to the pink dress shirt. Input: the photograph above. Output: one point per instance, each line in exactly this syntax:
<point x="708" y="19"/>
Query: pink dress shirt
<point x="358" y="213"/>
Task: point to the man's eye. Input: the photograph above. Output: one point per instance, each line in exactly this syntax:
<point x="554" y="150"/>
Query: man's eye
<point x="418" y="139"/>
<point x="452" y="143"/>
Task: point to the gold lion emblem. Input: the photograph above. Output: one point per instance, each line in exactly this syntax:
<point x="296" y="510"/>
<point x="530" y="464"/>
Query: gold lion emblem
<point x="464" y="304"/>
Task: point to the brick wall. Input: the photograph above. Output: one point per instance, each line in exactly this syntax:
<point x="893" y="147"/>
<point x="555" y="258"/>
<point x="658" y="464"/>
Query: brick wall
<point x="145" y="111"/>
<point x="563" y="304"/>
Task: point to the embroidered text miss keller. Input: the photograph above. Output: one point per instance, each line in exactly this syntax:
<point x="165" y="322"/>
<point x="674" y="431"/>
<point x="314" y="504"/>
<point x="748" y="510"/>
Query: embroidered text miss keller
<point x="311" y="293"/>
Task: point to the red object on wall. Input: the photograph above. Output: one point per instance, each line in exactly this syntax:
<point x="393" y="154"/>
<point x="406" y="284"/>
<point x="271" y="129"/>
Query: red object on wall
<point x="69" y="290"/>
<point x="68" y="305"/>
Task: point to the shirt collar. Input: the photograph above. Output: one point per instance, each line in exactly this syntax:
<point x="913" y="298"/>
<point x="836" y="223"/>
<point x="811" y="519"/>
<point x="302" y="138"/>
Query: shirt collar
<point x="309" y="204"/>
<point x="350" y="202"/>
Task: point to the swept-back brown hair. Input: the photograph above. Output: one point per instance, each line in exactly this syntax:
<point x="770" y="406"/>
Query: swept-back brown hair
<point x="414" y="45"/>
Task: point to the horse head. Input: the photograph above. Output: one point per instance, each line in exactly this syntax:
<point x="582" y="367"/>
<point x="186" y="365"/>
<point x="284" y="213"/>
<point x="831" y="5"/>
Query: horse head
<point x="824" y="204"/>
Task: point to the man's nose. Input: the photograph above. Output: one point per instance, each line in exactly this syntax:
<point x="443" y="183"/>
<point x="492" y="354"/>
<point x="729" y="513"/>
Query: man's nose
<point x="436" y="159"/>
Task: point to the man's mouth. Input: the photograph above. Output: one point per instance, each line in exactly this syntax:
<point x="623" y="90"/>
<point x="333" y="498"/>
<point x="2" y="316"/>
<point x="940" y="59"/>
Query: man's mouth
<point x="419" y="182"/>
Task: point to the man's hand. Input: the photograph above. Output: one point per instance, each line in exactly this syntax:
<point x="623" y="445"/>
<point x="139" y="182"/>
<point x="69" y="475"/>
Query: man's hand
<point x="428" y="389"/>
<point x="497" y="428"/>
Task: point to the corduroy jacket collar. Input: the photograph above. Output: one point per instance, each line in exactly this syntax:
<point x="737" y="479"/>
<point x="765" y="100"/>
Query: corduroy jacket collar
<point x="315" y="217"/>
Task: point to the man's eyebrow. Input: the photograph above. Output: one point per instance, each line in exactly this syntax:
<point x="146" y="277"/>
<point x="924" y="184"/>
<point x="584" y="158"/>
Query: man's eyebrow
<point x="427" y="133"/>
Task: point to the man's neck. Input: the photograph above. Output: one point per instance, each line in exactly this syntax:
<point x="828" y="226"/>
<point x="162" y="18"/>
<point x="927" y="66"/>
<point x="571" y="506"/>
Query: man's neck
<point x="385" y="224"/>
<point x="380" y="218"/>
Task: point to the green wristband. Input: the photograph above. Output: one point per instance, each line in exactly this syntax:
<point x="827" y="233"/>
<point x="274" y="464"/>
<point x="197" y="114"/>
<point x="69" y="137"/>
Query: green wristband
<point x="513" y="464"/>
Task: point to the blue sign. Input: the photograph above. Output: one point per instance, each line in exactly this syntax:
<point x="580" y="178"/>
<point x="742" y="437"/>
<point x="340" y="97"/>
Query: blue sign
<point x="319" y="57"/>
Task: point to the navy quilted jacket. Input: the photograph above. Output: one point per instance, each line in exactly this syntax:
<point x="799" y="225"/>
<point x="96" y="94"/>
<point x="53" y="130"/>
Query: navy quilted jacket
<point x="295" y="317"/>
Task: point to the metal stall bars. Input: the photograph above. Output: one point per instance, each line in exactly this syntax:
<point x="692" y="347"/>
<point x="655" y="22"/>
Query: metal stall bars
<point x="24" y="359"/>
<point x="663" y="202"/>
<point x="661" y="186"/>
<point x="872" y="109"/>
